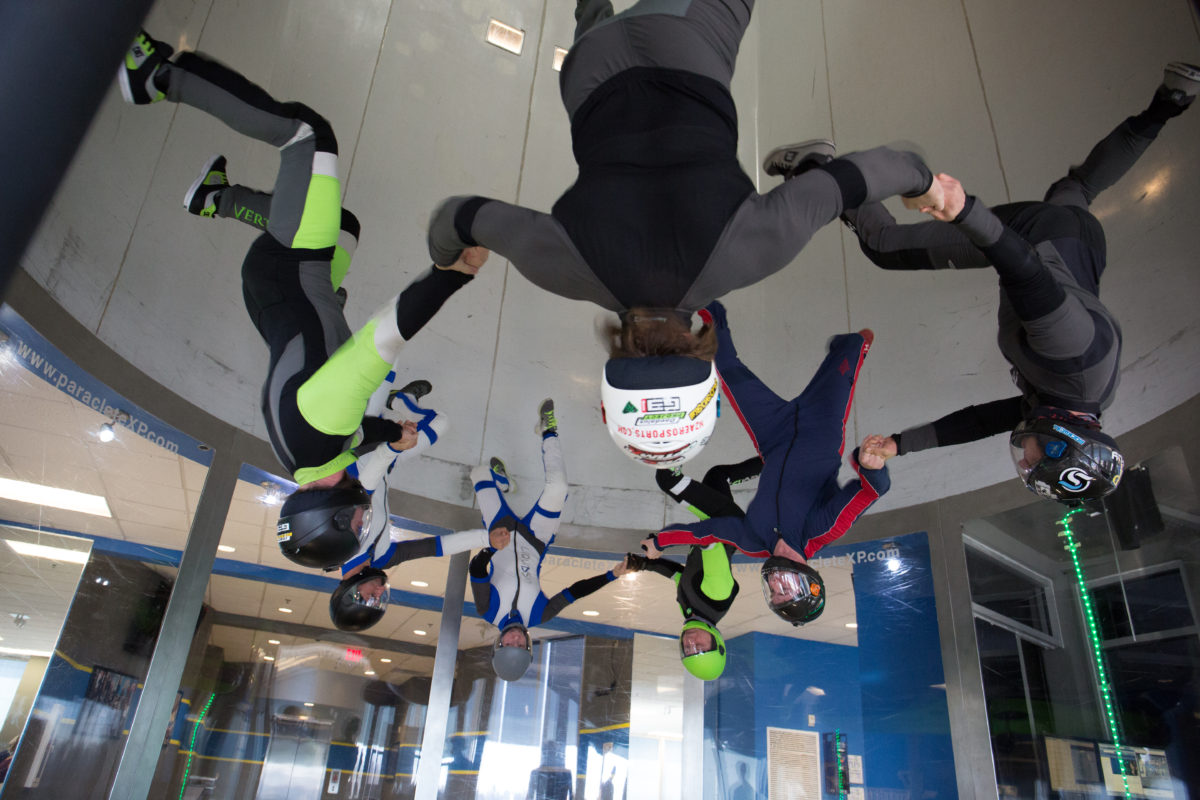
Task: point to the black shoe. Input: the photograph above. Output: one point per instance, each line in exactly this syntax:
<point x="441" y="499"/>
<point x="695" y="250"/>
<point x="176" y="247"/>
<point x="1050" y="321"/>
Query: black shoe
<point x="136" y="73"/>
<point x="791" y="160"/>
<point x="636" y="563"/>
<point x="418" y="389"/>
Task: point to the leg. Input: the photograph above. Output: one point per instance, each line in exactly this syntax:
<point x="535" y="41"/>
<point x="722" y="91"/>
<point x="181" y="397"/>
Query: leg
<point x="492" y="507"/>
<point x="1116" y="153"/>
<point x="824" y="405"/>
<point x="544" y="517"/>
<point x="305" y="207"/>
<point x="761" y="411"/>
<point x="700" y="36"/>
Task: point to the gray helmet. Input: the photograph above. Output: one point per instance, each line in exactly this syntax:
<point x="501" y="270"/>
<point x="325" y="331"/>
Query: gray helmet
<point x="509" y="663"/>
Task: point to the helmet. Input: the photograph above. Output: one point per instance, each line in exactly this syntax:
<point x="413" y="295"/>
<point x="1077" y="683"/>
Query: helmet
<point x="706" y="664"/>
<point x="794" y="590"/>
<point x="322" y="528"/>
<point x="660" y="410"/>
<point x="359" y="601"/>
<point x="1065" y="461"/>
<point x="510" y="663"/>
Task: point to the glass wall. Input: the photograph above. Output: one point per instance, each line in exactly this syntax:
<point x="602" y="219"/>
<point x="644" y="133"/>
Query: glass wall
<point x="1086" y="626"/>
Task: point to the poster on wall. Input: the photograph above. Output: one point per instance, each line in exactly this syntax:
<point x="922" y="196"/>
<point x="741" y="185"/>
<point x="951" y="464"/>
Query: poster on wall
<point x="106" y="702"/>
<point x="856" y="773"/>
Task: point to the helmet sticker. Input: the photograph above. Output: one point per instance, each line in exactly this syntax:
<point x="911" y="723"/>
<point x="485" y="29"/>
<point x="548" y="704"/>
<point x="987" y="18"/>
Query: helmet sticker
<point x="651" y="405"/>
<point x="1055" y="449"/>
<point x="659" y="419"/>
<point x="1075" y="479"/>
<point x="1074" y="438"/>
<point x="695" y="412"/>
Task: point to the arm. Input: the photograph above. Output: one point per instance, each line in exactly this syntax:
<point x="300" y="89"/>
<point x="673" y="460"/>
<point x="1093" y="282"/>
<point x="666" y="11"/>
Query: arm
<point x="579" y="590"/>
<point x="481" y="584"/>
<point x="662" y="566"/>
<point x="535" y="243"/>
<point x="833" y="518"/>
<point x="966" y="425"/>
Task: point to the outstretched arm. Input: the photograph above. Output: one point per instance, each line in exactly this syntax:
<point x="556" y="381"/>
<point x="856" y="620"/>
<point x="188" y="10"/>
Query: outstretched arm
<point x="966" y="425"/>
<point x="481" y="583"/>
<point x="832" y="518"/>
<point x="579" y="590"/>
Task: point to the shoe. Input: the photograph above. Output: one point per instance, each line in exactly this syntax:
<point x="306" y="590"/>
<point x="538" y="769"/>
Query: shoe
<point x="342" y="296"/>
<point x="636" y="563"/>
<point x="1181" y="82"/>
<point x="201" y="197"/>
<point x="506" y="483"/>
<point x="795" y="159"/>
<point x="136" y="75"/>
<point x="868" y="335"/>
<point x="547" y="425"/>
<point x="417" y="389"/>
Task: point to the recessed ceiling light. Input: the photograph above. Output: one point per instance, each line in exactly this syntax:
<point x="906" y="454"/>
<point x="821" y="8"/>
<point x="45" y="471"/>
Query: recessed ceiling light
<point x="285" y="609"/>
<point x="386" y="660"/>
<point x="851" y="624"/>
<point x="369" y="672"/>
<point x="421" y="584"/>
<point x="268" y="658"/>
<point x="272" y="641"/>
<point x="308" y="705"/>
<point x="590" y="613"/>
<point x="560" y="53"/>
<point x="46" y="551"/>
<point x="39" y="495"/>
<point x="420" y="632"/>
<point x="506" y="37"/>
<point x="225" y="548"/>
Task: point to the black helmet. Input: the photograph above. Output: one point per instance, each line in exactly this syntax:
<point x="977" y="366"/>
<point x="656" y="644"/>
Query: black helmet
<point x="510" y="662"/>
<point x="794" y="590"/>
<point x="1065" y="461"/>
<point x="323" y="528"/>
<point x="359" y="601"/>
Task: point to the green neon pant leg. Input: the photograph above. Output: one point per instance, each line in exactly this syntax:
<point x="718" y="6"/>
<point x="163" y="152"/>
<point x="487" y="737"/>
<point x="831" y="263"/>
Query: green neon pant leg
<point x="335" y="398"/>
<point x="717" y="582"/>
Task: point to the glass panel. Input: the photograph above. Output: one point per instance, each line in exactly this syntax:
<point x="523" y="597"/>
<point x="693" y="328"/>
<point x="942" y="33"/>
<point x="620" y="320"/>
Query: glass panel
<point x="1007" y="591"/>
<point x="141" y="480"/>
<point x="1124" y="569"/>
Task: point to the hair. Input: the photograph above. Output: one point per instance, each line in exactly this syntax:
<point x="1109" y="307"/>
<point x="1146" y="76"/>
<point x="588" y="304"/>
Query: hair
<point x="655" y="332"/>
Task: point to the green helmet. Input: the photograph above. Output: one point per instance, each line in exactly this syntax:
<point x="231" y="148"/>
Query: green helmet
<point x="705" y="659"/>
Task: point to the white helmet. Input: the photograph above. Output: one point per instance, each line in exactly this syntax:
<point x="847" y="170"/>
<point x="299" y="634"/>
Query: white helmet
<point x="660" y="410"/>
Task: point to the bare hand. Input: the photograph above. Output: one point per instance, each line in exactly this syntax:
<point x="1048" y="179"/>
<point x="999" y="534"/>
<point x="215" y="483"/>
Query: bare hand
<point x="470" y="260"/>
<point x="875" y="450"/>
<point x="408" y="439"/>
<point x="934" y="199"/>
<point x="622" y="567"/>
<point x="651" y="548"/>
<point x="499" y="537"/>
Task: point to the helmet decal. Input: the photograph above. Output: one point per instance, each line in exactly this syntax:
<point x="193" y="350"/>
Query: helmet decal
<point x="1074" y="479"/>
<point x="712" y="391"/>
<point x="629" y="408"/>
<point x="1076" y="439"/>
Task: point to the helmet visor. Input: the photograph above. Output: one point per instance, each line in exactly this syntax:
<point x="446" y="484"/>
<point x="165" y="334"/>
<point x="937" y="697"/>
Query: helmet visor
<point x="782" y="586"/>
<point x="513" y="636"/>
<point x="356" y="519"/>
<point x="695" y="641"/>
<point x="374" y="592"/>
<point x="1029" y="450"/>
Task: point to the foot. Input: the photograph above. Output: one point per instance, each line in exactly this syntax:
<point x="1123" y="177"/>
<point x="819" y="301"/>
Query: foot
<point x="635" y="562"/>
<point x="547" y="425"/>
<point x="868" y="335"/>
<point x="136" y="75"/>
<point x="795" y="159"/>
<point x="505" y="483"/>
<point x="201" y="197"/>
<point x="342" y="296"/>
<point x="1181" y="83"/>
<point x="415" y="389"/>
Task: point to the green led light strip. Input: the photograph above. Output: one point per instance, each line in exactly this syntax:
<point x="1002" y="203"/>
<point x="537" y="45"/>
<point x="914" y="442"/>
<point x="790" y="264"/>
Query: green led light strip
<point x="187" y="767"/>
<point x="837" y="760"/>
<point x="1110" y="716"/>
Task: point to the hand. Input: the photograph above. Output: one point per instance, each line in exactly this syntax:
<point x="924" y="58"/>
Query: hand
<point x="499" y="537"/>
<point x="714" y="314"/>
<point x="934" y="199"/>
<point x="622" y="567"/>
<point x="651" y="549"/>
<point x="469" y="260"/>
<point x="408" y="439"/>
<point x="875" y="450"/>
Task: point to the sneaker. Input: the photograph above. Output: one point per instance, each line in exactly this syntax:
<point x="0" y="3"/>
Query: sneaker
<point x="868" y="337"/>
<point x="505" y="483"/>
<point x="136" y="75"/>
<point x="342" y="296"/>
<point x="795" y="159"/>
<point x="1181" y="82"/>
<point x="201" y="197"/>
<point x="547" y="425"/>
<point x="417" y="389"/>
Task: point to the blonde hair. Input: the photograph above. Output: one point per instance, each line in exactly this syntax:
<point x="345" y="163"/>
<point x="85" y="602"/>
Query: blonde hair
<point x="658" y="332"/>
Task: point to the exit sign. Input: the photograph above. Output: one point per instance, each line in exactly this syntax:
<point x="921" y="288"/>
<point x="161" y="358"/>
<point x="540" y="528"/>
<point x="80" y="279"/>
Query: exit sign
<point x="353" y="654"/>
